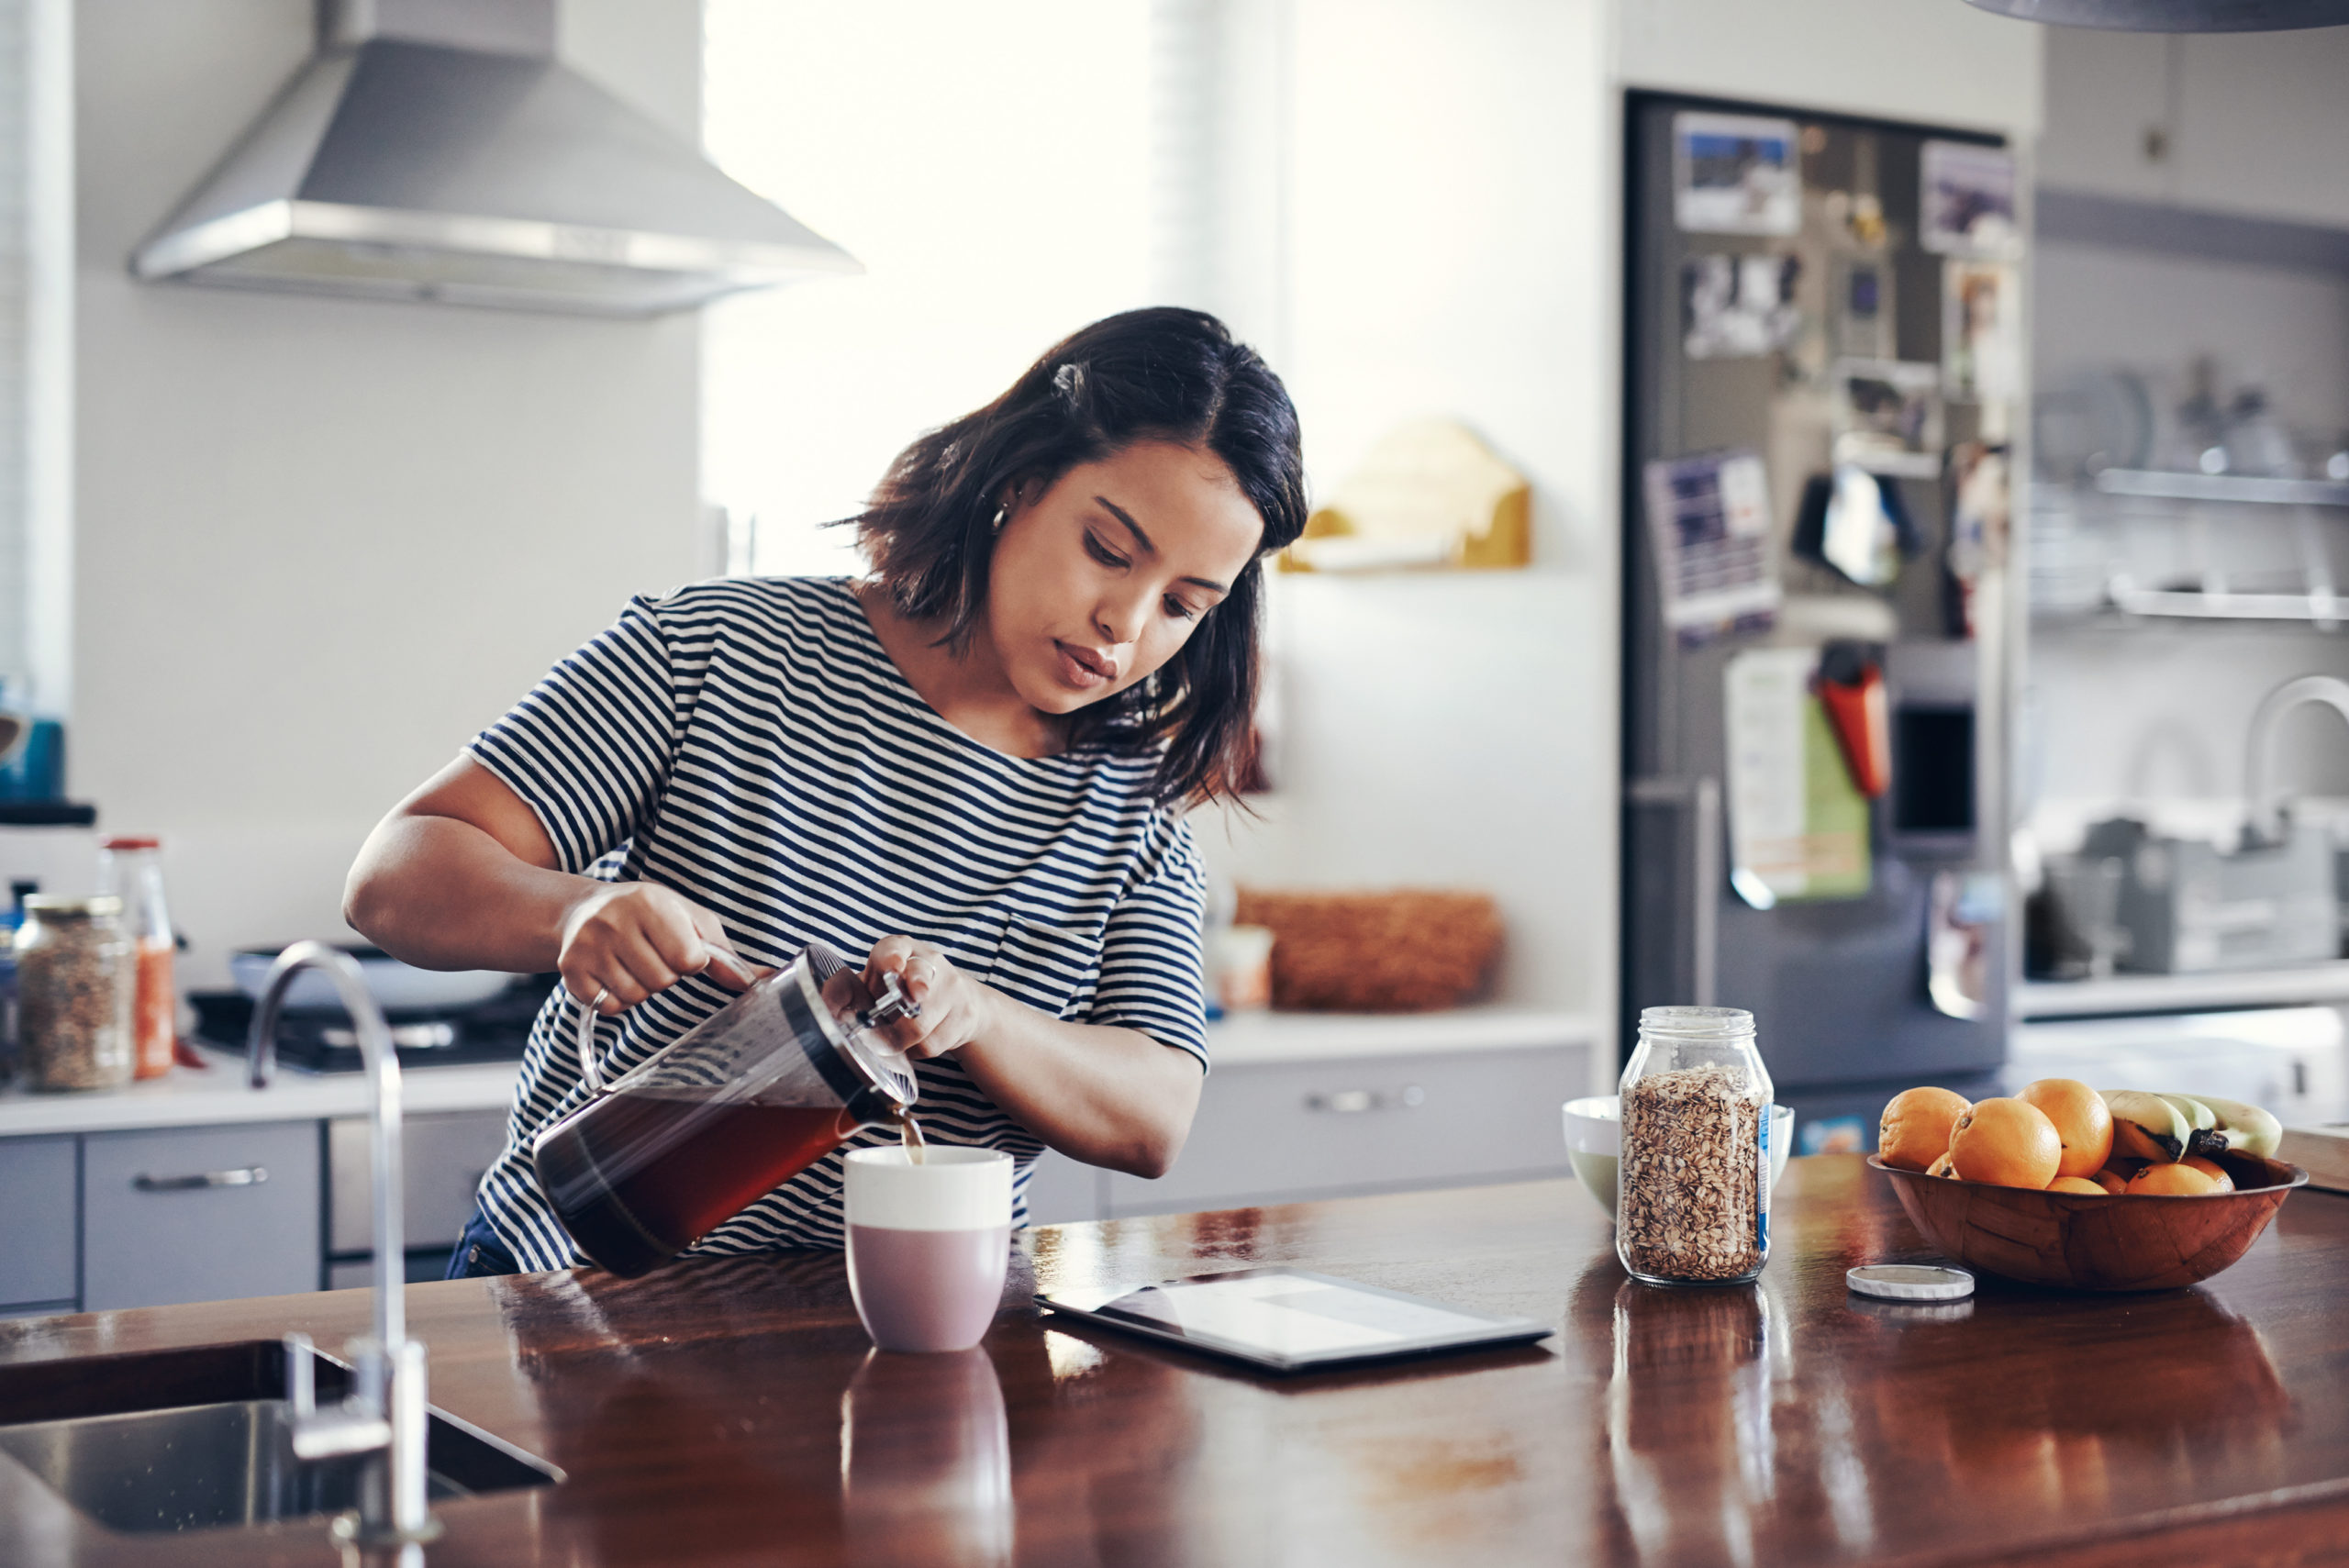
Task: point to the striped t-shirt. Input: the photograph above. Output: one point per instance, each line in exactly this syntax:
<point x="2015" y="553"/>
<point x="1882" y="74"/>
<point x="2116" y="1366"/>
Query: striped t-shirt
<point x="751" y="745"/>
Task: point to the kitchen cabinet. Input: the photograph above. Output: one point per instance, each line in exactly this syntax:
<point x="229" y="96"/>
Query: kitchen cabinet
<point x="2107" y="128"/>
<point x="38" y="1220"/>
<point x="199" y="1213"/>
<point x="2263" y="120"/>
<point x="443" y="1159"/>
<point x="2249" y="124"/>
<point x="1283" y="1132"/>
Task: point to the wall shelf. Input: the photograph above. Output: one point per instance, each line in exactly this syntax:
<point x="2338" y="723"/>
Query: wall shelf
<point x="2163" y="484"/>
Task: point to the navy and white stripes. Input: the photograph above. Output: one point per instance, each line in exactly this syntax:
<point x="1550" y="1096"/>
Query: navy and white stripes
<point x="750" y="744"/>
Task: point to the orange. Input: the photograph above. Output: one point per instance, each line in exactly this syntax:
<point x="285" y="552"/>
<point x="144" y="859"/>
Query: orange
<point x="1916" y="1127"/>
<point x="2110" y="1180"/>
<point x="2212" y="1169"/>
<point x="2006" y="1142"/>
<point x="1941" y="1167"/>
<point x="2171" y="1180"/>
<point x="2076" y="1185"/>
<point x="2081" y="1121"/>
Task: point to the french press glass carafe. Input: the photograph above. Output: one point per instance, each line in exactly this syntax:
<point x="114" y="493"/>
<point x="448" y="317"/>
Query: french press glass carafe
<point x="753" y="1094"/>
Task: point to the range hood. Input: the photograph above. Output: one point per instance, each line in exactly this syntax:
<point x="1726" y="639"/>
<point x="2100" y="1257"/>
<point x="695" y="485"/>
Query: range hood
<point x="435" y="150"/>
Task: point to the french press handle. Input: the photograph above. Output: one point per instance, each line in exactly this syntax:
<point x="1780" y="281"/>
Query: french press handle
<point x="892" y="1005"/>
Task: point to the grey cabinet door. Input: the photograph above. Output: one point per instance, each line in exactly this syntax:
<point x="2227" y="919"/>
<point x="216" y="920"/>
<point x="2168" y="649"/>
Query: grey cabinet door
<point x="200" y="1213"/>
<point x="443" y="1158"/>
<point x="37" y="1222"/>
<point x="1270" y="1133"/>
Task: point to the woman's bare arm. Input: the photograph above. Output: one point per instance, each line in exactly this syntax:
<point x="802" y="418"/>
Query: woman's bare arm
<point x="1105" y="1096"/>
<point x="461" y="875"/>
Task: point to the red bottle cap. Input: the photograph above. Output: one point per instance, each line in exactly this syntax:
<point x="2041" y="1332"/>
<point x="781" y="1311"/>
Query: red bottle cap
<point x="130" y="843"/>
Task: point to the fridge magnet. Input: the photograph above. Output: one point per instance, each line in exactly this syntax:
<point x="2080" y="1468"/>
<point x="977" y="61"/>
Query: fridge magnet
<point x="1738" y="306"/>
<point x="1798" y="826"/>
<point x="1710" y="517"/>
<point x="1887" y="416"/>
<point x="1969" y="200"/>
<point x="1735" y="175"/>
<point x="1982" y="338"/>
<point x="1863" y="307"/>
<point x="1854" y="523"/>
<point x="1979" y="518"/>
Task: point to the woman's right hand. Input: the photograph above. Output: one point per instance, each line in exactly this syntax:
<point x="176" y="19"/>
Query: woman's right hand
<point x="624" y="940"/>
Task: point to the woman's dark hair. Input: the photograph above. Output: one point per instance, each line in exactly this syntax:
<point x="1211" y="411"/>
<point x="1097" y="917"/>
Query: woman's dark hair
<point x="1161" y="374"/>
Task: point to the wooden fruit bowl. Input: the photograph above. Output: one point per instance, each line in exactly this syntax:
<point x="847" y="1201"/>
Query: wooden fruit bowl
<point x="2077" y="1242"/>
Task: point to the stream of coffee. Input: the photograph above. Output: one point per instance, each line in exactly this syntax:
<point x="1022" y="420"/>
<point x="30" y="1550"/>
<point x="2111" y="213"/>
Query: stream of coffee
<point x="909" y="1132"/>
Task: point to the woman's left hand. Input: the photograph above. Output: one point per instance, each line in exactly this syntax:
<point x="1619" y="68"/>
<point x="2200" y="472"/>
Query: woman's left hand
<point x="954" y="1007"/>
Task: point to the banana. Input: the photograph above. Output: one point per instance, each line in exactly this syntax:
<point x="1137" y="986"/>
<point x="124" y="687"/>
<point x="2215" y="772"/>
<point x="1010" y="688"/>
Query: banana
<point x="2243" y="1130"/>
<point x="2201" y="1118"/>
<point x="2147" y="1126"/>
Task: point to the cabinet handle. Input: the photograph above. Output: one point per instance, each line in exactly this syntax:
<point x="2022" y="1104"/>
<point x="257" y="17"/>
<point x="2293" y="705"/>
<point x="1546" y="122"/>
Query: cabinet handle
<point x="245" y="1176"/>
<point x="1353" y="1102"/>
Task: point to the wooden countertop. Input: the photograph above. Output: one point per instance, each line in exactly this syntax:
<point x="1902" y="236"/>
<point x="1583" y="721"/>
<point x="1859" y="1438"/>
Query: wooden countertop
<point x="727" y="1411"/>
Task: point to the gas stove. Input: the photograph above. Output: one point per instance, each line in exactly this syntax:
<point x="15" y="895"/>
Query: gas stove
<point x="496" y="1030"/>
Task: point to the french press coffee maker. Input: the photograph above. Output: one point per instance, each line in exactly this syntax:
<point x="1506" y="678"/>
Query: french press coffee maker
<point x="748" y="1098"/>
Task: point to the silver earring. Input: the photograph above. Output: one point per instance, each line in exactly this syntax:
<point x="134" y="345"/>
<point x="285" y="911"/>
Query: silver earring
<point x="999" y="513"/>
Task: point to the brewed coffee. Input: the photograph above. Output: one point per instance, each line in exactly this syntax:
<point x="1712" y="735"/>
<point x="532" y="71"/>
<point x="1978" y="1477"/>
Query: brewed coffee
<point x="909" y="1134"/>
<point x="639" y="1176"/>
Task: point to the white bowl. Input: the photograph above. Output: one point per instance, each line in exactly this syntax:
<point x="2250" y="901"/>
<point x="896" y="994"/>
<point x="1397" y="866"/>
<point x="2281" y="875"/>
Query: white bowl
<point x="1594" y="1143"/>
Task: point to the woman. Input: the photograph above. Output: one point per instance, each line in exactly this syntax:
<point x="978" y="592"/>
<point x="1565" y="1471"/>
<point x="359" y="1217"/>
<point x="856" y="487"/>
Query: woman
<point x="970" y="763"/>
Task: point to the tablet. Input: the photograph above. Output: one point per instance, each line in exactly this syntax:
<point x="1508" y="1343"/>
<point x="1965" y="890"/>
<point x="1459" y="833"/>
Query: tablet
<point x="1289" y="1320"/>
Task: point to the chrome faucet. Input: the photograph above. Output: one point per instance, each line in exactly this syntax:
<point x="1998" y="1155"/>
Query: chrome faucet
<point x="2266" y="824"/>
<point x="385" y="1413"/>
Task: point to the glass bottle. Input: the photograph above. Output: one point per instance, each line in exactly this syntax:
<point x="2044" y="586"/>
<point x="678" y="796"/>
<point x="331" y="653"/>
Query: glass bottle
<point x="76" y="978"/>
<point x="1693" y="1188"/>
<point x="132" y="870"/>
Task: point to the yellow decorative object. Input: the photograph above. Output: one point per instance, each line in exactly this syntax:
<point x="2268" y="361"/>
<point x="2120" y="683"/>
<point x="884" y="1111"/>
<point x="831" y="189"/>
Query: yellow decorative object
<point x="1430" y="494"/>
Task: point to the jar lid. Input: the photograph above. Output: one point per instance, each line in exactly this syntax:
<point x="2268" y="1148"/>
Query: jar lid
<point x="105" y="906"/>
<point x="142" y="842"/>
<point x="1910" y="1282"/>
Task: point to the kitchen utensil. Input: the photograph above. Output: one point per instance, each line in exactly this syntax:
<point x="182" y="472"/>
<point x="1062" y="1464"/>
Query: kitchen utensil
<point x="1594" y="1144"/>
<point x="746" y="1099"/>
<point x="927" y="1241"/>
<point x="2077" y="1243"/>
<point x="396" y="987"/>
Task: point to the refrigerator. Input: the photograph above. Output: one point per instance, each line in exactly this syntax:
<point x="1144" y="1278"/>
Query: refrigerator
<point x="1823" y="373"/>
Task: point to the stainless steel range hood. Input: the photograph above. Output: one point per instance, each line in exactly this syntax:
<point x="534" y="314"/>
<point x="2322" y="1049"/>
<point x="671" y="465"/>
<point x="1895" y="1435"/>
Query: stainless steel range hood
<point x="435" y="150"/>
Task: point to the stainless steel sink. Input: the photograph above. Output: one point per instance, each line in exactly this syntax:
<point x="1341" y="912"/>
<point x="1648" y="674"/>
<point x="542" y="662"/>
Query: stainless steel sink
<point x="194" y="1440"/>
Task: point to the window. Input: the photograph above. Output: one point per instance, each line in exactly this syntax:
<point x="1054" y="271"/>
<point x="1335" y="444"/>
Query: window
<point x="992" y="166"/>
<point x="36" y="326"/>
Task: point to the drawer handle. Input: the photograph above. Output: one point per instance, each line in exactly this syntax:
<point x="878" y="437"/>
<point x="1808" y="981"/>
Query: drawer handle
<point x="1354" y="1102"/>
<point x="245" y="1176"/>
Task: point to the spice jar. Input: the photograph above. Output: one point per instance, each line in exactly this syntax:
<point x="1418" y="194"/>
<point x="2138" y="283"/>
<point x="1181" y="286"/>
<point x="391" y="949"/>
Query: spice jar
<point x="1693" y="1189"/>
<point x="76" y="982"/>
<point x="133" y="870"/>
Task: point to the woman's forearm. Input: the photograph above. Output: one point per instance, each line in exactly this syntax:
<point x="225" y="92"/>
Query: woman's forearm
<point x="1108" y="1096"/>
<point x="441" y="893"/>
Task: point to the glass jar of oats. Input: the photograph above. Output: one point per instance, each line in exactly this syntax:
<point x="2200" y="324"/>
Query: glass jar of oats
<point x="1692" y="1201"/>
<point x="77" y="979"/>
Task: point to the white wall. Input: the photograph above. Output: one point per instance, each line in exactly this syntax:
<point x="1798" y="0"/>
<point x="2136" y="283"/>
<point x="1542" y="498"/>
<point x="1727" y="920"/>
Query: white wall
<point x="1452" y="247"/>
<point x="321" y="541"/>
<point x="1450" y="251"/>
<point x="1935" y="62"/>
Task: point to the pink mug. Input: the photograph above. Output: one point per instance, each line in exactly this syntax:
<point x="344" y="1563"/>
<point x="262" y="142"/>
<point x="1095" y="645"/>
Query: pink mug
<point x="928" y="1243"/>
